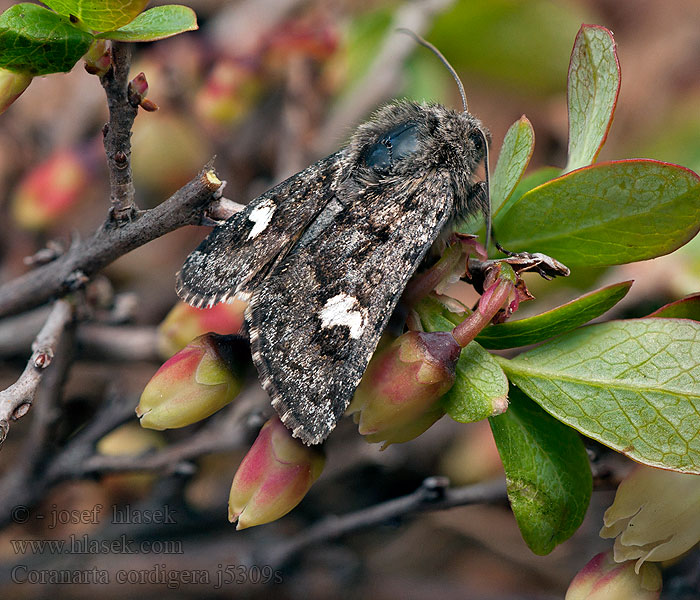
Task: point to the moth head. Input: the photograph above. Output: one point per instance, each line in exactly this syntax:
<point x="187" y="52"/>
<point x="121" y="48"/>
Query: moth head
<point x="479" y="136"/>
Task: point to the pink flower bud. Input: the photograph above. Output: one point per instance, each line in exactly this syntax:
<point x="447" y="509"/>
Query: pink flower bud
<point x="604" y="579"/>
<point x="51" y="189"/>
<point x="11" y="87"/>
<point x="184" y="323"/>
<point x="397" y="399"/>
<point x="190" y="386"/>
<point x="138" y="89"/>
<point x="98" y="58"/>
<point x="273" y="477"/>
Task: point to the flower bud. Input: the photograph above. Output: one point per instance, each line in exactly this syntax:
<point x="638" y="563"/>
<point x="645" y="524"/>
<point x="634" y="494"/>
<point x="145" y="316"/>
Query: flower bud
<point x="184" y="323"/>
<point x="129" y="440"/>
<point x="604" y="579"/>
<point x="190" y="386"/>
<point x="11" y="87"/>
<point x="98" y="58"/>
<point x="397" y="399"/>
<point x="273" y="477"/>
<point x="51" y="189"/>
<point x="655" y="515"/>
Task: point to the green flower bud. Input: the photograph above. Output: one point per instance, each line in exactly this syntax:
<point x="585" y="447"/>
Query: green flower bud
<point x="190" y="386"/>
<point x="11" y="87"/>
<point x="397" y="399"/>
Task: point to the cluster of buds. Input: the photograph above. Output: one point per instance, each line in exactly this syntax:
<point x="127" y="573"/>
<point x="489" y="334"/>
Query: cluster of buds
<point x="399" y="395"/>
<point x="192" y="385"/>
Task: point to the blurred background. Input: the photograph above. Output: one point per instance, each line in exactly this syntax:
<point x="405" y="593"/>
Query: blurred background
<point x="270" y="86"/>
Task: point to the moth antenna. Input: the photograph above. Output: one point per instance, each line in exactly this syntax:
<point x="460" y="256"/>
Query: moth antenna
<point x="444" y="61"/>
<point x="487" y="205"/>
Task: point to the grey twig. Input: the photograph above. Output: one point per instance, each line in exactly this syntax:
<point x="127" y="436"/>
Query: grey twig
<point x="218" y="435"/>
<point x="433" y="494"/>
<point x="87" y="257"/>
<point x="16" y="400"/>
<point x="117" y="134"/>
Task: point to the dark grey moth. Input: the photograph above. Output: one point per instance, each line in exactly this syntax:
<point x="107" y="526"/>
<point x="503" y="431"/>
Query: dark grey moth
<point x="324" y="256"/>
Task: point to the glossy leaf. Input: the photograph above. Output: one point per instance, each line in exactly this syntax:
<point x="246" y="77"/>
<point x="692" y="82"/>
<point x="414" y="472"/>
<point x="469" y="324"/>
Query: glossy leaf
<point x="36" y="41"/>
<point x="592" y="90"/>
<point x="517" y="148"/>
<point x="480" y="389"/>
<point x="99" y="15"/>
<point x="548" y="476"/>
<point x="567" y="317"/>
<point x="632" y="385"/>
<point x="155" y="24"/>
<point x="686" y="308"/>
<point x="606" y="214"/>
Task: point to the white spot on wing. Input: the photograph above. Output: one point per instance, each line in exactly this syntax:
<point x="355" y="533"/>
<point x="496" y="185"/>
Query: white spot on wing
<point x="344" y="310"/>
<point x="261" y="216"/>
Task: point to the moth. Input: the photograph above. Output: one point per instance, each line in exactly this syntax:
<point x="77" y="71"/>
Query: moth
<point x="324" y="256"/>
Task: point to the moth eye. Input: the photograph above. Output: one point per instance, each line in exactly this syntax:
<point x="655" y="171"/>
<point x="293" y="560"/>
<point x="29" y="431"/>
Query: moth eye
<point x="396" y="144"/>
<point x="403" y="140"/>
<point x="378" y="157"/>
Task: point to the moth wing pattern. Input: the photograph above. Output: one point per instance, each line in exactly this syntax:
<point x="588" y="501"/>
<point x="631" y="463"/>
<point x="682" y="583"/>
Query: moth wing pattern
<point x="240" y="252"/>
<point x="317" y="317"/>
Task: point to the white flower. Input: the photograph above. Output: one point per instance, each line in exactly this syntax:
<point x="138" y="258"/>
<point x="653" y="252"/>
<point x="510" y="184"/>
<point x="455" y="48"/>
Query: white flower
<point x="655" y="515"/>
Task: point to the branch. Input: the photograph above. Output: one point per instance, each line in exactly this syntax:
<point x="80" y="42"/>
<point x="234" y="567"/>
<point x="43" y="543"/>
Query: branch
<point x="117" y="134"/>
<point x="433" y="494"/>
<point x="16" y="400"/>
<point x="86" y="258"/>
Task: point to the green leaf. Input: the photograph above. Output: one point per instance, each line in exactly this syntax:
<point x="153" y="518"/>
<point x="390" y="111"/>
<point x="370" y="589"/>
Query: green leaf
<point x="435" y="315"/>
<point x="36" y="41"/>
<point x="548" y="476"/>
<point x="516" y="151"/>
<point x="559" y="320"/>
<point x="533" y="180"/>
<point x="632" y="385"/>
<point x="99" y="15"/>
<point x="593" y="87"/>
<point x="606" y="214"/>
<point x="155" y="24"/>
<point x="686" y="308"/>
<point x="480" y="389"/>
